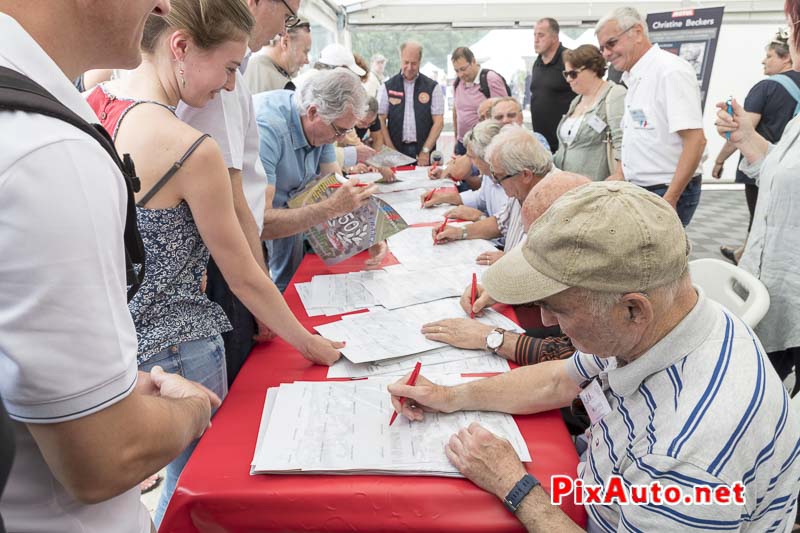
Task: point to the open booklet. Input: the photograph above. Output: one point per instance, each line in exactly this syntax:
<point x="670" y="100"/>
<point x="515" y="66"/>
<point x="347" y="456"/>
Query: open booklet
<point x="332" y="427"/>
<point x="339" y="238"/>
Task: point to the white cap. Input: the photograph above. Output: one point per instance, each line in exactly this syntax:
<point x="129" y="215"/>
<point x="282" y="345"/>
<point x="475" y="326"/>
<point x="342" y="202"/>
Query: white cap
<point x="337" y="55"/>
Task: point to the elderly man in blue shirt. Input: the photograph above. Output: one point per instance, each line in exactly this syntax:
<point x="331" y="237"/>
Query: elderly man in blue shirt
<point x="296" y="131"/>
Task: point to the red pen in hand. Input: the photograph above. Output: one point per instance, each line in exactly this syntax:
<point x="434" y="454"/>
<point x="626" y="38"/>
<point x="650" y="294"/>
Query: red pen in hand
<point x="411" y="381"/>
<point x="428" y="197"/>
<point x="474" y="292"/>
<point x="441" y="229"/>
<point x="340" y="185"/>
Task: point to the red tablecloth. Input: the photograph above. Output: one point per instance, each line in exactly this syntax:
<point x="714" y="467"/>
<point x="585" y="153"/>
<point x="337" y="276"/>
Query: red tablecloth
<point x="216" y="493"/>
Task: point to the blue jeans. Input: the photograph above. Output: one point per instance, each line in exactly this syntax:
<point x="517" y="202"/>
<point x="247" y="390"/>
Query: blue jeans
<point x="202" y="361"/>
<point x="689" y="200"/>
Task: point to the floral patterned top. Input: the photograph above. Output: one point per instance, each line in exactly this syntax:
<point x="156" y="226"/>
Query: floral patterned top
<point x="169" y="307"/>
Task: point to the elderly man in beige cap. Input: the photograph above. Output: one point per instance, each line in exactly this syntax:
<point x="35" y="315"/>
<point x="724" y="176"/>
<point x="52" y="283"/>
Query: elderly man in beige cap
<point x="684" y="408"/>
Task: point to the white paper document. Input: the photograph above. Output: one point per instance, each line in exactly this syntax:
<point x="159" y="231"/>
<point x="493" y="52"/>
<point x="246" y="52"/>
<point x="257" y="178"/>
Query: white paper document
<point x="407" y="184"/>
<point x="335" y="294"/>
<point x="383" y="334"/>
<point x="343" y="427"/>
<point x="401" y="288"/>
<point x="449" y="360"/>
<point x="414" y="248"/>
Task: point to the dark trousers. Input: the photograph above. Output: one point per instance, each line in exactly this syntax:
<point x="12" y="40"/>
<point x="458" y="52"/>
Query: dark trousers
<point x="751" y="195"/>
<point x="409" y="149"/>
<point x="239" y="341"/>
<point x="689" y="200"/>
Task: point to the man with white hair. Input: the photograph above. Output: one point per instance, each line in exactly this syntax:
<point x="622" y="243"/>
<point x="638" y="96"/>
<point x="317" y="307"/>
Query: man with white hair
<point x="490" y="199"/>
<point x="517" y="162"/>
<point x="691" y="427"/>
<point x="296" y="131"/>
<point x="663" y="120"/>
<point x="280" y="60"/>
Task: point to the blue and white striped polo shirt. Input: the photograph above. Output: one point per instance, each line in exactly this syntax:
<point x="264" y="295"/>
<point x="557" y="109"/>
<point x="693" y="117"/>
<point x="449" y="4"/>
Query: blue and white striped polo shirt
<point x="702" y="406"/>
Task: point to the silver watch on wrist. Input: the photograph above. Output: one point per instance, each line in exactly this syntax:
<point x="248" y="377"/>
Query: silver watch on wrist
<point x="425" y="150"/>
<point x="495" y="338"/>
<point x="464" y="233"/>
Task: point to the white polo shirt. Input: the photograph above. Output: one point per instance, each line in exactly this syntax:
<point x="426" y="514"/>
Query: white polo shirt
<point x="663" y="98"/>
<point x="231" y="120"/>
<point x="67" y="341"/>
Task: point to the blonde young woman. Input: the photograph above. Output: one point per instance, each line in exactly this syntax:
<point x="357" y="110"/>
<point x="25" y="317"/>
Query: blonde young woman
<point x="593" y="119"/>
<point x="185" y="205"/>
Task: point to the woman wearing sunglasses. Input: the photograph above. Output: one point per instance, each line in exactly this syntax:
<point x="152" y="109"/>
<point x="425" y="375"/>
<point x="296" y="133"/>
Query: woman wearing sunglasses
<point x="589" y="135"/>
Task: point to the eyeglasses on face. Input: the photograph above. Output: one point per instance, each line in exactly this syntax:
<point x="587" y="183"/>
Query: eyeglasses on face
<point x="291" y="20"/>
<point x="339" y="132"/>
<point x="572" y="74"/>
<point x="500" y="179"/>
<point x="612" y="42"/>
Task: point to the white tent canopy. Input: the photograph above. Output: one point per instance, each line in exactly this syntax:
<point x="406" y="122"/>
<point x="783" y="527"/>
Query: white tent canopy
<point x="410" y="14"/>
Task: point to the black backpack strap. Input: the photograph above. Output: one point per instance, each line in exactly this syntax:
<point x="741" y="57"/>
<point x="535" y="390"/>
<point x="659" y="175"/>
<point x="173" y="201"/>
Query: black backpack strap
<point x="20" y="93"/>
<point x="171" y="172"/>
<point x="484" y="79"/>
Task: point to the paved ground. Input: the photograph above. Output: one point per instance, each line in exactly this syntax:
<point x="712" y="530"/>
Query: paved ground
<point x="721" y="218"/>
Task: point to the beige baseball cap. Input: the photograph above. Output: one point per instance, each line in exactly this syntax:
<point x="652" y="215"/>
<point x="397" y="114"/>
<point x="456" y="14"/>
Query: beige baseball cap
<point x="605" y="236"/>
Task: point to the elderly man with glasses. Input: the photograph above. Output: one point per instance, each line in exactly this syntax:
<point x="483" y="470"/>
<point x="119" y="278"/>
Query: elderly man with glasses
<point x="691" y="428"/>
<point x="296" y="131"/>
<point x="663" y="120"/>
<point x="516" y="162"/>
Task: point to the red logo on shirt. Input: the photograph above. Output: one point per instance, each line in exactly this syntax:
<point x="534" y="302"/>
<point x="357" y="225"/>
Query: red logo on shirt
<point x="424" y="98"/>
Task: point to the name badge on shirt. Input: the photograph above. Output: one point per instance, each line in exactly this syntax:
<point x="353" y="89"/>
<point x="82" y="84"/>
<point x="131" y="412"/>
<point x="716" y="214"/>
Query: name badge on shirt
<point x="640" y="119"/>
<point x="594" y="401"/>
<point x="596" y="123"/>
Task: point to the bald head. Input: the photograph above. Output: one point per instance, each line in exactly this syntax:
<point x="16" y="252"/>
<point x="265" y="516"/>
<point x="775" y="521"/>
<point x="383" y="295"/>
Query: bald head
<point x="547" y="191"/>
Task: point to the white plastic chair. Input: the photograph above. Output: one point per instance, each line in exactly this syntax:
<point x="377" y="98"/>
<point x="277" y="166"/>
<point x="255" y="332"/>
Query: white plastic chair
<point x="733" y="287"/>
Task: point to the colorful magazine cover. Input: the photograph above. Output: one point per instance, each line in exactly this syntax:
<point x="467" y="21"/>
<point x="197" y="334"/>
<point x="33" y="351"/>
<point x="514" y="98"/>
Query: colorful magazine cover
<point x="339" y="238"/>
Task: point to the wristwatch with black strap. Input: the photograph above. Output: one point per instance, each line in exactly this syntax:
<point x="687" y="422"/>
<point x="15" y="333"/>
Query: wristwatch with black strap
<point x="524" y="486"/>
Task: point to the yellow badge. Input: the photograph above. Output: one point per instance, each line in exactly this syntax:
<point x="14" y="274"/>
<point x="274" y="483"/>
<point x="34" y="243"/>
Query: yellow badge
<point x="424" y="98"/>
<point x="395" y="101"/>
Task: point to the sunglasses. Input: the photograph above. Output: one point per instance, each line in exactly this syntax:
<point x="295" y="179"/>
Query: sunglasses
<point x="572" y="74"/>
<point x="291" y="20"/>
<point x="612" y="42"/>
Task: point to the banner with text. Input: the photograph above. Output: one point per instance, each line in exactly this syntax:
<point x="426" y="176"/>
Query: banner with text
<point x="691" y="34"/>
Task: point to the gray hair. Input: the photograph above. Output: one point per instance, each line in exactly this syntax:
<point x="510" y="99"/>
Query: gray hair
<point x="517" y="149"/>
<point x="334" y="93"/>
<point x="479" y="137"/>
<point x="372" y="105"/>
<point x="601" y="302"/>
<point x="502" y="99"/>
<point x="625" y="17"/>
<point x="414" y="44"/>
